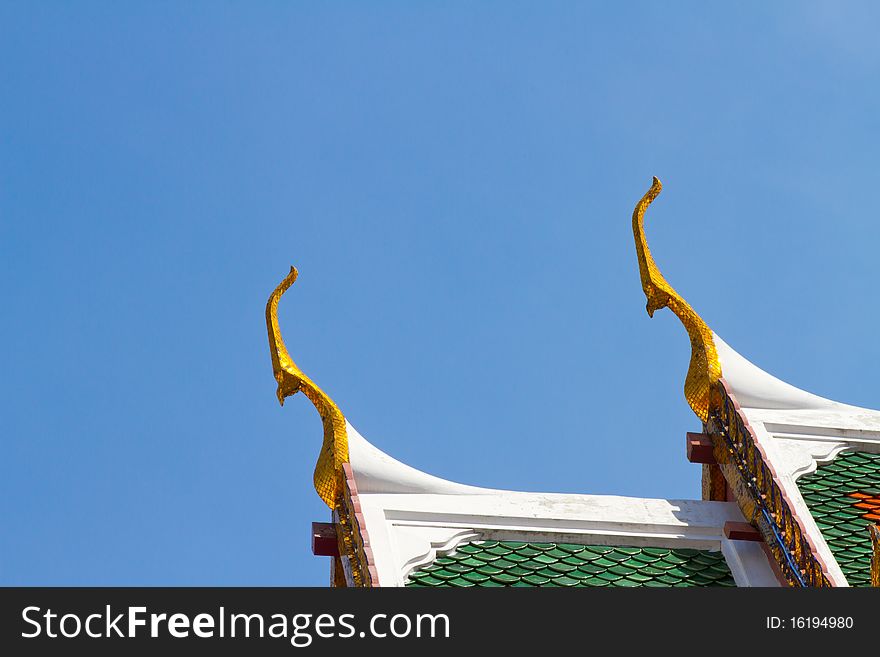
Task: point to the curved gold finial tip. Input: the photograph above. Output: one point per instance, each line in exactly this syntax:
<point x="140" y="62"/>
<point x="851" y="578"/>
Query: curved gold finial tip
<point x="291" y="380"/>
<point x="653" y="192"/>
<point x="285" y="371"/>
<point x="287" y="385"/>
<point x="289" y="280"/>
<point x="705" y="368"/>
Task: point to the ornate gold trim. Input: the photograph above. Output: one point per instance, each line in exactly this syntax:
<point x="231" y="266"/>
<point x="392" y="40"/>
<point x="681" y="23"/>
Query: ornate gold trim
<point x="758" y="493"/>
<point x="705" y="368"/>
<point x="356" y="557"/>
<point x="291" y="379"/>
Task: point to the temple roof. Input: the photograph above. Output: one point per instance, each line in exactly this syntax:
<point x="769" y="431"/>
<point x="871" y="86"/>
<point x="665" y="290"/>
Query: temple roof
<point x="802" y="469"/>
<point x="404" y="532"/>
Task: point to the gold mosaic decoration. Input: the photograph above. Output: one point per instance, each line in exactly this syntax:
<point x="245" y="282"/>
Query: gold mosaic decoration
<point x="705" y="368"/>
<point x="351" y="543"/>
<point x="291" y="380"/>
<point x="758" y="493"/>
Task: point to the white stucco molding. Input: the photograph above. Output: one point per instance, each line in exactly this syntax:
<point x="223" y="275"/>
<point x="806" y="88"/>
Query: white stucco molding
<point x="796" y="457"/>
<point x="377" y="472"/>
<point x="748" y="563"/>
<point x="755" y="388"/>
<point x="416" y="546"/>
<point x="409" y="531"/>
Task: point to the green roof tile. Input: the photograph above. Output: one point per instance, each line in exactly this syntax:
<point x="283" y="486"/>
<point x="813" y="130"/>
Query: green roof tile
<point x="505" y="579"/>
<point x="603" y="562"/>
<point x="562" y="567"/>
<point x="653" y="571"/>
<point x="545" y="559"/>
<point x="556" y="553"/>
<point x="519" y="571"/>
<point x="565" y="581"/>
<point x="473" y="563"/>
<point x="594" y="582"/>
<point x="655" y="552"/>
<point x="828" y="493"/>
<point x="459" y="567"/>
<point x="567" y="564"/>
<point x="621" y="570"/>
<point x="527" y="551"/>
<point x="460" y="582"/>
<point x="489" y="570"/>
<point x="588" y="569"/>
<point x="645" y="558"/>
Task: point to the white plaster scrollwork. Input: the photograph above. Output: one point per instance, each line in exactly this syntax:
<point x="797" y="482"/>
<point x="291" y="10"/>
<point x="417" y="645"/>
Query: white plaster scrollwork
<point x="800" y="457"/>
<point x="418" y="546"/>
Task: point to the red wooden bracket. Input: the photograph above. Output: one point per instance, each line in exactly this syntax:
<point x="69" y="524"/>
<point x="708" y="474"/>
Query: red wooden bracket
<point x="324" y="540"/>
<point x="699" y="448"/>
<point x="741" y="531"/>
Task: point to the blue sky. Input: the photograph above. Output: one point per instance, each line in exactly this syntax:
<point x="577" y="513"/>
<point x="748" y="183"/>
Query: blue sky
<point x="455" y="184"/>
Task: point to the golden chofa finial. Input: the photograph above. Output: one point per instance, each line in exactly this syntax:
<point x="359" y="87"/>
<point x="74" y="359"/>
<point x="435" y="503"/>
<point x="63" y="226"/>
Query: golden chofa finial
<point x="291" y="379"/>
<point x="705" y="369"/>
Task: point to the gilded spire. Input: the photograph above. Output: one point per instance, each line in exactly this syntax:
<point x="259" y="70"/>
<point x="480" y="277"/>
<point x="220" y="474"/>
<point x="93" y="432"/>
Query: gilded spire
<point x="291" y="380"/>
<point x="705" y="368"/>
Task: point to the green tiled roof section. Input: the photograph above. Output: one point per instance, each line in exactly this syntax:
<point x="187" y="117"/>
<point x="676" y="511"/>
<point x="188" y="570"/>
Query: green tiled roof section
<point x="509" y="563"/>
<point x="828" y="493"/>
